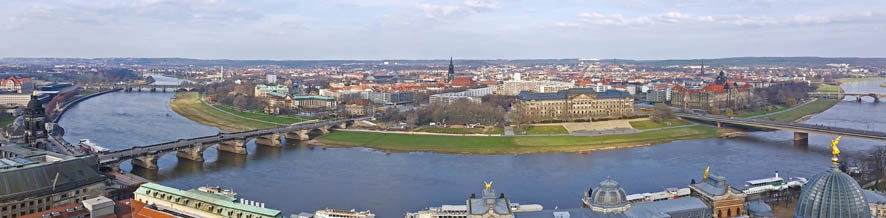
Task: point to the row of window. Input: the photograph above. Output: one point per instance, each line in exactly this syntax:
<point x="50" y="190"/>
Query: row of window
<point x="198" y="204"/>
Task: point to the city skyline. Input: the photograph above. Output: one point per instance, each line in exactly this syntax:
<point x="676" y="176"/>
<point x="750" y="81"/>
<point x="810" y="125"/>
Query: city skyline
<point x="471" y="29"/>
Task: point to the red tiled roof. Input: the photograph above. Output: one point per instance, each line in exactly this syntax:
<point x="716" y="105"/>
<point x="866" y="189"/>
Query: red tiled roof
<point x="462" y="81"/>
<point x="714" y="87"/>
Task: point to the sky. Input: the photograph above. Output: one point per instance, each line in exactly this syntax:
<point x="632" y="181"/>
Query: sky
<point x="438" y="29"/>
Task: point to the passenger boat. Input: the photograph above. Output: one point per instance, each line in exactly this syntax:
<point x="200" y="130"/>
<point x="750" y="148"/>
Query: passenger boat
<point x="217" y="190"/>
<point x="91" y="147"/>
<point x="333" y="213"/>
<point x="774" y="183"/>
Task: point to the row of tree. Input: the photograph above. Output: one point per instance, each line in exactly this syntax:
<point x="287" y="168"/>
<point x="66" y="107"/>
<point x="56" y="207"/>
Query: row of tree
<point x="458" y="112"/>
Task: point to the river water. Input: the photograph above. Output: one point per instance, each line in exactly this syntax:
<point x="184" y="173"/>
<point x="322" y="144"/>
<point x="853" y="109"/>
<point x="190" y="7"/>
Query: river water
<point x="301" y="178"/>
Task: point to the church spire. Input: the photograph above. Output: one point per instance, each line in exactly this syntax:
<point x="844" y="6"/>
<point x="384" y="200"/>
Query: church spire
<point x="451" y="74"/>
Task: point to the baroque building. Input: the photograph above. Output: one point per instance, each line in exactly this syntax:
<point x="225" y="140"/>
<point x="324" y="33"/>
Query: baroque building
<point x="720" y="94"/>
<point x="576" y="104"/>
<point x="724" y="200"/>
<point x="35" y="123"/>
<point x="33" y="180"/>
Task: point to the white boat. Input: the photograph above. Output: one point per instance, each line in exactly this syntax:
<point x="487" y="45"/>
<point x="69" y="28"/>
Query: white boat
<point x="667" y="194"/>
<point x="91" y="147"/>
<point x="217" y="190"/>
<point x="333" y="213"/>
<point x="774" y="183"/>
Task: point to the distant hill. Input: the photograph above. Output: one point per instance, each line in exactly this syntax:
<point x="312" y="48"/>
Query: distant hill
<point x="735" y="61"/>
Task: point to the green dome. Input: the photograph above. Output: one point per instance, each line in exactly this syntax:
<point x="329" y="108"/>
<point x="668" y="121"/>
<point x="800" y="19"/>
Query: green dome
<point x="832" y="194"/>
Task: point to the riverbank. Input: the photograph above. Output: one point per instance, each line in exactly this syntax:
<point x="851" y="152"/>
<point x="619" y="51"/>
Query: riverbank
<point x="864" y="79"/>
<point x="189" y="105"/>
<point x="482" y="145"/>
<point x="812" y="108"/>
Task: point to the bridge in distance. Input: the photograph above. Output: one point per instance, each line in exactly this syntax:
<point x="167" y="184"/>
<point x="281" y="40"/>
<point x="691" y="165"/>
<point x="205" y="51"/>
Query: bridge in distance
<point x="801" y="130"/>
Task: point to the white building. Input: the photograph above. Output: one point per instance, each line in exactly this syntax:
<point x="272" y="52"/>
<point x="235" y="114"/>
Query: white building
<point x="514" y="87"/>
<point x="473" y="95"/>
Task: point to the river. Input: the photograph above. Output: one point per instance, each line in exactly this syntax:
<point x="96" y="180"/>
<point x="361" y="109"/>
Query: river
<point x="300" y="178"/>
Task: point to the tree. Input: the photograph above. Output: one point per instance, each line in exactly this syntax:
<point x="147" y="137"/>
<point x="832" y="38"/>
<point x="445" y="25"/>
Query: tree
<point x="241" y="102"/>
<point x="715" y="110"/>
<point x="729" y="112"/>
<point x="661" y="112"/>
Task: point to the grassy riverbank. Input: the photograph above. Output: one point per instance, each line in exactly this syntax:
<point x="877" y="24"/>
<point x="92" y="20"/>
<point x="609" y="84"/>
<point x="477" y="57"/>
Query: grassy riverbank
<point x="828" y="88"/>
<point x="649" y="124"/>
<point x="188" y="104"/>
<point x="512" y="145"/>
<point x="749" y="113"/>
<point x="814" y="107"/>
<point x="849" y="80"/>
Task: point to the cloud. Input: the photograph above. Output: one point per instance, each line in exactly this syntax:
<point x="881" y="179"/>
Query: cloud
<point x="467" y="7"/>
<point x="595" y="18"/>
<point x="672" y="17"/>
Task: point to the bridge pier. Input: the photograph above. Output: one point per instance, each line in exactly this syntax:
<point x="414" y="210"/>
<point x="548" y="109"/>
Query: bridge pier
<point x="301" y="135"/>
<point x="801" y="138"/>
<point x="858" y="98"/>
<point x="236" y="146"/>
<point x="148" y="161"/>
<point x="193" y="153"/>
<point x="272" y="140"/>
<point x="324" y="129"/>
<point x="719" y="125"/>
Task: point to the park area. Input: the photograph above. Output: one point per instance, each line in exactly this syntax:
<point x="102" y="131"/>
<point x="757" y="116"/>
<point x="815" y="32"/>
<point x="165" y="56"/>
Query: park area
<point x="190" y="105"/>
<point x="396" y="142"/>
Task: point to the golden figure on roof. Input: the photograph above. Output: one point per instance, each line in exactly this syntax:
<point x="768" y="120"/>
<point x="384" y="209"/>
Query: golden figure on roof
<point x="706" y="172"/>
<point x="835" y="150"/>
<point x="488" y="185"/>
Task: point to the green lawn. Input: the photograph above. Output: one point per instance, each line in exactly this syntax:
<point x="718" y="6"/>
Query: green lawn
<point x="263" y="116"/>
<point x="648" y="124"/>
<point x="6" y="120"/>
<point x="828" y="88"/>
<point x="545" y="130"/>
<point x="746" y="113"/>
<point x="812" y="108"/>
<point x="849" y="80"/>
<point x="434" y="129"/>
<point x="188" y="104"/>
<point x="511" y="145"/>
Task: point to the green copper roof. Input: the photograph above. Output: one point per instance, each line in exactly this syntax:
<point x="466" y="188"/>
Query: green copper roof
<point x="304" y="97"/>
<point x="218" y="200"/>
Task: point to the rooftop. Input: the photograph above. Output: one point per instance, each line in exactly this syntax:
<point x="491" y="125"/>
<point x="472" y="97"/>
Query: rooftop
<point x="216" y="199"/>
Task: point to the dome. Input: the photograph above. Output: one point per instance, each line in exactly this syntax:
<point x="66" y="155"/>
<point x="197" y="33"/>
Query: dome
<point x="34" y="108"/>
<point x="832" y="194"/>
<point x="607" y="195"/>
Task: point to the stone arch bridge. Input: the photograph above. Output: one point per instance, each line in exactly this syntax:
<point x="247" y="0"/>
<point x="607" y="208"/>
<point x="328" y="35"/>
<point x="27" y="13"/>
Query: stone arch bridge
<point x="841" y="95"/>
<point x="140" y="87"/>
<point x="192" y="149"/>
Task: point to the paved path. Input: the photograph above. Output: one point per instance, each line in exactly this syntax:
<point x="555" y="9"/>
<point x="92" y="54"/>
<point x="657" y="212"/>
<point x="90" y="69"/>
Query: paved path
<point x="785" y="110"/>
<point x="238" y="116"/>
<point x="509" y="131"/>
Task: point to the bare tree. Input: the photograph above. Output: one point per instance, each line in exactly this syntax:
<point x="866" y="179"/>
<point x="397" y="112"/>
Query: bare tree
<point x="661" y="112"/>
<point x="874" y="164"/>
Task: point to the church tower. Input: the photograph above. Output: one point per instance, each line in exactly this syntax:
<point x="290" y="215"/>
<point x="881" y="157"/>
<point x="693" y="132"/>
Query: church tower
<point x="451" y="74"/>
<point x="35" y="122"/>
<point x="721" y="79"/>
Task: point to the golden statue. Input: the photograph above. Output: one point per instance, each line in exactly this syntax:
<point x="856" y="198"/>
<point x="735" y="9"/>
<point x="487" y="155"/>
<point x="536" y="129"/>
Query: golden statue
<point x="706" y="171"/>
<point x="835" y="150"/>
<point x="488" y="185"/>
